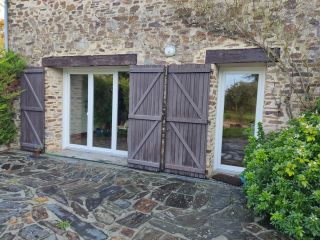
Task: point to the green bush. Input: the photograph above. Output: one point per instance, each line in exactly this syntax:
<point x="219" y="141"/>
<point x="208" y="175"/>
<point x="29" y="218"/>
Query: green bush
<point x="283" y="176"/>
<point x="11" y="65"/>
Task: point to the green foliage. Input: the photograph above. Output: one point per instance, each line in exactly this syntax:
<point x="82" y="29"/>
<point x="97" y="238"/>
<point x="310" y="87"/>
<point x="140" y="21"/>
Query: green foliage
<point x="11" y="65"/>
<point x="63" y="225"/>
<point x="283" y="176"/>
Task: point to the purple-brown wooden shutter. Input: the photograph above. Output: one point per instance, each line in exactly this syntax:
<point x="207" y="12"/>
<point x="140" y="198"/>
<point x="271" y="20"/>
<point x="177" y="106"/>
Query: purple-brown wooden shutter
<point x="187" y="119"/>
<point x="32" y="109"/>
<point x="145" y="114"/>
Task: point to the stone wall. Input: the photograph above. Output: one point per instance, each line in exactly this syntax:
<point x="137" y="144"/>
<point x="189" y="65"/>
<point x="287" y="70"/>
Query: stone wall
<point x="53" y="108"/>
<point x="212" y="119"/>
<point x="55" y="28"/>
<point x="42" y="28"/>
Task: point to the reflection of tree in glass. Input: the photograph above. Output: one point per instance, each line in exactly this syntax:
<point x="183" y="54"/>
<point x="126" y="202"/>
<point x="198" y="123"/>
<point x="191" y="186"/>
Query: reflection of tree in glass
<point x="123" y="108"/>
<point x="103" y="101"/>
<point x="240" y="99"/>
<point x="1" y="33"/>
<point x="103" y="85"/>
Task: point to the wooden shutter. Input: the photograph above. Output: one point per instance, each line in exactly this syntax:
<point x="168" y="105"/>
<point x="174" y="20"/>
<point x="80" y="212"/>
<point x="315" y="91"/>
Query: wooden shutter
<point x="32" y="109"/>
<point x="145" y="114"/>
<point x="186" y="119"/>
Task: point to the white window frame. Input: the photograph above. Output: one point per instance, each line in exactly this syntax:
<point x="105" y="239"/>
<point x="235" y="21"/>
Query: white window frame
<point x="66" y="109"/>
<point x="223" y="71"/>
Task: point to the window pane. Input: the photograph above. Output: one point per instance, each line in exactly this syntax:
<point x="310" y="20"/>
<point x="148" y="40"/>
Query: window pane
<point x="102" y="110"/>
<point x="239" y="116"/>
<point x="78" y="109"/>
<point x="123" y="111"/>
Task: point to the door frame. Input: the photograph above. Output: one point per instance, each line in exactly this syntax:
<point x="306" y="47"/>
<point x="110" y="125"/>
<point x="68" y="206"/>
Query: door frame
<point x="91" y="71"/>
<point x="223" y="71"/>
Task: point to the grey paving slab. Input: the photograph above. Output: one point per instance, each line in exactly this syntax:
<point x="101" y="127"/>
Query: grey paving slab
<point x="61" y="198"/>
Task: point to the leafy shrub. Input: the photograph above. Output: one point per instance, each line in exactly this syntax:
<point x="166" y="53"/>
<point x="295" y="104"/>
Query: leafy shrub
<point x="11" y="65"/>
<point x="283" y="176"/>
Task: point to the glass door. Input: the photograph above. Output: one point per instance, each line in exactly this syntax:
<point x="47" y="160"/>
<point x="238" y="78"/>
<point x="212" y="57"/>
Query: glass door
<point x="240" y="98"/>
<point x="123" y="111"/>
<point x="102" y="110"/>
<point x="97" y="111"/>
<point x="240" y="101"/>
<point x="78" y="109"/>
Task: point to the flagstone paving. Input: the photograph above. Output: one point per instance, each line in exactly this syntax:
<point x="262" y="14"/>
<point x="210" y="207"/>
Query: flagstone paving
<point x="101" y="201"/>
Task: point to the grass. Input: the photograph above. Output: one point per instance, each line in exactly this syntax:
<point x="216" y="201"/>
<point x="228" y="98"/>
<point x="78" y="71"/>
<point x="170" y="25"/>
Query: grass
<point x="235" y="133"/>
<point x="241" y="117"/>
<point x="63" y="225"/>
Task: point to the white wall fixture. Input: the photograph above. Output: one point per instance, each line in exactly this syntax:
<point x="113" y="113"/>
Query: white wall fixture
<point x="169" y="50"/>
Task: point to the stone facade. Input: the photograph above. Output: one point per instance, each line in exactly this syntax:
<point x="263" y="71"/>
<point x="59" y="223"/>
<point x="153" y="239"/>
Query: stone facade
<point x="55" y="28"/>
<point x="211" y="119"/>
<point x="42" y="28"/>
<point x="53" y="108"/>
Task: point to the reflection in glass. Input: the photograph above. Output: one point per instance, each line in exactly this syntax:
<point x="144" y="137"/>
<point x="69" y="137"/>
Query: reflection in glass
<point x="78" y="109"/>
<point x="239" y="116"/>
<point x="102" y="110"/>
<point x="123" y="111"/>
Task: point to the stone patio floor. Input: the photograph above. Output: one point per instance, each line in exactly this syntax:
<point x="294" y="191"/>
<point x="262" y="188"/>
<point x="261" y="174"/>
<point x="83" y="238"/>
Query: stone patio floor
<point x="102" y="201"/>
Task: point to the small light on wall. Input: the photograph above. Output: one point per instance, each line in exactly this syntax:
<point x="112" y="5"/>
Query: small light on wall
<point x="169" y="50"/>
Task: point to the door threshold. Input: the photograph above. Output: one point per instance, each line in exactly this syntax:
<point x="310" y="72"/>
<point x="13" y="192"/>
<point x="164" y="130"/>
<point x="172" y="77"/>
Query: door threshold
<point x="84" y="154"/>
<point x="229" y="179"/>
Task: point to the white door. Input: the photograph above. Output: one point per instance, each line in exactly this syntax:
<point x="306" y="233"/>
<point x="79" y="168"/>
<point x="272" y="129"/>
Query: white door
<point x="239" y="109"/>
<point x="96" y="110"/>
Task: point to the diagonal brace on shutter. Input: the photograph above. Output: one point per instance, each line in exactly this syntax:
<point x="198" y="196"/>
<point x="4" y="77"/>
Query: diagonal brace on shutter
<point x="33" y="129"/>
<point x="33" y="92"/>
<point x="185" y="144"/>
<point x="195" y="107"/>
<point x="146" y="93"/>
<point x="144" y="139"/>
